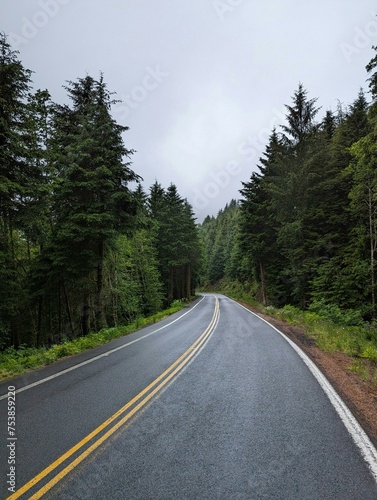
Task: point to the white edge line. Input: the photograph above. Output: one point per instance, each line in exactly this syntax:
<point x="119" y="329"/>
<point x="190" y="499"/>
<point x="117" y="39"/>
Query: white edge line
<point x="358" y="435"/>
<point x="95" y="358"/>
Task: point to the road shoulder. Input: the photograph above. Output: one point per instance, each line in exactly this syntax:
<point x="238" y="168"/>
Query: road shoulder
<point x="359" y="395"/>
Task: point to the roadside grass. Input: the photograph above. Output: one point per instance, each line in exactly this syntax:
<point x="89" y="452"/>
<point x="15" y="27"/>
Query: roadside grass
<point x="17" y="361"/>
<point x="332" y="329"/>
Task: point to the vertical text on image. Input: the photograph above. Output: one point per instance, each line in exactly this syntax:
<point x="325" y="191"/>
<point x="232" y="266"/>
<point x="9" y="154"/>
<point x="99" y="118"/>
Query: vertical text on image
<point x="11" y="440"/>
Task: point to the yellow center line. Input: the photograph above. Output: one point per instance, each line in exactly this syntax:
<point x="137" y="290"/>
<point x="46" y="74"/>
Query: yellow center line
<point x="162" y="380"/>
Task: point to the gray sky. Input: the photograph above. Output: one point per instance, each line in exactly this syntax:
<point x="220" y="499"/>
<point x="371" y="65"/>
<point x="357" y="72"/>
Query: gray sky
<point x="203" y="81"/>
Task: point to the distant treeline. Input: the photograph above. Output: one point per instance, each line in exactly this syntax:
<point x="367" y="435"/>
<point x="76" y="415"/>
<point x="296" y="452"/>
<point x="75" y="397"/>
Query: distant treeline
<point x="80" y="249"/>
<point x="305" y="230"/>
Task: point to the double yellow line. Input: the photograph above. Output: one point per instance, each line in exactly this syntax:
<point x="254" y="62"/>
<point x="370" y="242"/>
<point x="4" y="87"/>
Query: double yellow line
<point x="126" y="412"/>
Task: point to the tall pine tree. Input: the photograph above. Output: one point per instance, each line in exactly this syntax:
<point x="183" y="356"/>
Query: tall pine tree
<point x="92" y="200"/>
<point x="16" y="175"/>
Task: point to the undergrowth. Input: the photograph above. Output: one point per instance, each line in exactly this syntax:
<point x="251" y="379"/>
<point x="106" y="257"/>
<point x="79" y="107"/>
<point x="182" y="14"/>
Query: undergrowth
<point x="333" y="329"/>
<point x="17" y="361"/>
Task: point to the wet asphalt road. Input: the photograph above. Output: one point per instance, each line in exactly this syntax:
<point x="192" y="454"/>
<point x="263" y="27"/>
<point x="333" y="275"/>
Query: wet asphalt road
<point x="243" y="419"/>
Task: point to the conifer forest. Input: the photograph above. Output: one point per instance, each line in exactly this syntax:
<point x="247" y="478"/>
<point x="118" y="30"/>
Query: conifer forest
<point x="83" y="246"/>
<point x="304" y="232"/>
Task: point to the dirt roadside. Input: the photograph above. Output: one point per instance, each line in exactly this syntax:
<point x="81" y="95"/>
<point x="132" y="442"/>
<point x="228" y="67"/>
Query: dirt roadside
<point x="360" y="396"/>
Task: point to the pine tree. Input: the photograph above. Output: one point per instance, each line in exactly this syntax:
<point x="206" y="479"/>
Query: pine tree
<point x="16" y="174"/>
<point x="92" y="200"/>
<point x="177" y="241"/>
<point x="340" y="275"/>
<point x="259" y="222"/>
<point x="36" y="220"/>
<point x="371" y="67"/>
<point x="300" y="117"/>
<point x="363" y="197"/>
<point x="218" y="238"/>
<point x="207" y="234"/>
<point x="291" y="194"/>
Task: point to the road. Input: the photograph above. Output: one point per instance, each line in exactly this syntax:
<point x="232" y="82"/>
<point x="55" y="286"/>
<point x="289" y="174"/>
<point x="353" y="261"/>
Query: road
<point x="211" y="403"/>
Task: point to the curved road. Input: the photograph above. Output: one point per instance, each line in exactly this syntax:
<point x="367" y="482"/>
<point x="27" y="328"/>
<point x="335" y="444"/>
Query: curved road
<point x="211" y="403"/>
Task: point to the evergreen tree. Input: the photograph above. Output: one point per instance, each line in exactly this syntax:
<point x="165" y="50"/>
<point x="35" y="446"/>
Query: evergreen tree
<point x="78" y="249"/>
<point x="292" y="199"/>
<point x="35" y="222"/>
<point x="278" y="200"/>
<point x="16" y="173"/>
<point x="132" y="280"/>
<point x="259" y="222"/>
<point x="300" y="118"/>
<point x="207" y="233"/>
<point x="218" y="238"/>
<point x="371" y="67"/>
<point x="340" y="275"/>
<point x="363" y="197"/>
<point x="92" y="200"/>
<point x="177" y="241"/>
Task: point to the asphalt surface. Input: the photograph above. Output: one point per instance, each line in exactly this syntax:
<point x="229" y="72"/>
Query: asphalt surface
<point x="243" y="419"/>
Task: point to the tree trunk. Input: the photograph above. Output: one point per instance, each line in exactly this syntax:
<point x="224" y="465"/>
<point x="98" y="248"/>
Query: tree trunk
<point x="188" y="282"/>
<point x="372" y="237"/>
<point x="170" y="296"/>
<point x="262" y="283"/>
<point x="13" y="318"/>
<point x="100" y="306"/>
<point x="59" y="314"/>
<point x="69" y="314"/>
<point x="39" y="323"/>
<point x="85" y="315"/>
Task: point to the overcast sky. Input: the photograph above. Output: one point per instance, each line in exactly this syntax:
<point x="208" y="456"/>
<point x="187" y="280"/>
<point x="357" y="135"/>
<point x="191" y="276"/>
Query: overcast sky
<point x="203" y="81"/>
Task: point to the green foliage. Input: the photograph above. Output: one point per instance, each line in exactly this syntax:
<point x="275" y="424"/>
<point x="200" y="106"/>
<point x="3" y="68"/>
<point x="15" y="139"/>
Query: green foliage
<point x="176" y="240"/>
<point x="371" y="67"/>
<point x="218" y="239"/>
<point x="243" y="291"/>
<point x="17" y="175"/>
<point x="305" y="230"/>
<point x="332" y="312"/>
<point x="80" y="250"/>
<point x="134" y="286"/>
<point x="17" y="361"/>
<point x="333" y="330"/>
<point x="369" y="352"/>
<point x="306" y="237"/>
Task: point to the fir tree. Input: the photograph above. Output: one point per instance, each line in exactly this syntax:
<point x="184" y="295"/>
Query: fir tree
<point x="16" y="173"/>
<point x="177" y="241"/>
<point x="92" y="200"/>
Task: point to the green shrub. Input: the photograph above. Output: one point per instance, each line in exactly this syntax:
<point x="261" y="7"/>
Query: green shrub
<point x="332" y="328"/>
<point x="176" y="303"/>
<point x="332" y="312"/>
<point x="16" y="361"/>
<point x="370" y="352"/>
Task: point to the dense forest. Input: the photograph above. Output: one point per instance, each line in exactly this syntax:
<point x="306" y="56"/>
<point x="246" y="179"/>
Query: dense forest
<point x="304" y="232"/>
<point x="82" y="246"/>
